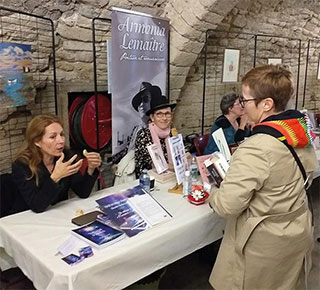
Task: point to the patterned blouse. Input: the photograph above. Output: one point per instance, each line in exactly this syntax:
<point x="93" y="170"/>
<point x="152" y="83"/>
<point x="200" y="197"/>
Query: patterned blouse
<point x="141" y="154"/>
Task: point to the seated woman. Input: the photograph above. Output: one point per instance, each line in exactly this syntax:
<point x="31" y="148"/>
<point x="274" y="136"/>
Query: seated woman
<point x="44" y="172"/>
<point x="233" y="122"/>
<point x="158" y="131"/>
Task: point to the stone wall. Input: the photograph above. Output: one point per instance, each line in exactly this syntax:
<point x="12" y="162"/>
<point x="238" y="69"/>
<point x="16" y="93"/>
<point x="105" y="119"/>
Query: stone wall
<point x="295" y="19"/>
<point x="189" y="22"/>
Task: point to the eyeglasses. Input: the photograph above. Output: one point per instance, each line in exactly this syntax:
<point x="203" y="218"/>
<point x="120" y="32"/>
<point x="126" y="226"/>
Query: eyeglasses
<point x="161" y="115"/>
<point x="243" y="101"/>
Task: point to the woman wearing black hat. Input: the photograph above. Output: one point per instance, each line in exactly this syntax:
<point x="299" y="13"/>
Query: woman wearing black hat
<point x="158" y="131"/>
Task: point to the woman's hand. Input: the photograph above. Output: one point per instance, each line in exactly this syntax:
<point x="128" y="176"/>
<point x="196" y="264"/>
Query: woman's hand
<point x="94" y="160"/>
<point x="64" y="169"/>
<point x="243" y="121"/>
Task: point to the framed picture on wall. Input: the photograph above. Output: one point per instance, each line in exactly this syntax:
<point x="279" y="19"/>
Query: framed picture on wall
<point x="231" y="63"/>
<point x="318" y="73"/>
<point x="275" y="60"/>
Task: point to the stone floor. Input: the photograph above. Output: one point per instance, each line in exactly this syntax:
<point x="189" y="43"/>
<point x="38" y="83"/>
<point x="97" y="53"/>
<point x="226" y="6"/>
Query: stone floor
<point x="192" y="272"/>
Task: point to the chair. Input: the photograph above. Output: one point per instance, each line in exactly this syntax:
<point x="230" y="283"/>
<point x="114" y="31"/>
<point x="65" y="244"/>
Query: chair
<point x="200" y="143"/>
<point x="7" y="193"/>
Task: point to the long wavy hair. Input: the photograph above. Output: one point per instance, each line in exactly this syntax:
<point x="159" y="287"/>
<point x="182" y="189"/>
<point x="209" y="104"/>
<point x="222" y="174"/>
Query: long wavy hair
<point x="29" y="153"/>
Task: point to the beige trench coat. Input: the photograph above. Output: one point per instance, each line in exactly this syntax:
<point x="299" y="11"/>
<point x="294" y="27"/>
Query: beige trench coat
<point x="268" y="233"/>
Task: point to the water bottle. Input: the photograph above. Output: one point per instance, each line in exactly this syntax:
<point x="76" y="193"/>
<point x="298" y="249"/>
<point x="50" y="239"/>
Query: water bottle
<point x="187" y="183"/>
<point x="144" y="180"/>
<point x="194" y="170"/>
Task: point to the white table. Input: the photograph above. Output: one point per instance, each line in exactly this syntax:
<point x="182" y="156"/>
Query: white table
<point x="30" y="241"/>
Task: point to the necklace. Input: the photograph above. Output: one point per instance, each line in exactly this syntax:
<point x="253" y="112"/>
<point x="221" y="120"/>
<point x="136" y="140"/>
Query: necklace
<point x="50" y="168"/>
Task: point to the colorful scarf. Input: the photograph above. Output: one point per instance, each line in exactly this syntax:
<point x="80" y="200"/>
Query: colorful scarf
<point x="290" y="126"/>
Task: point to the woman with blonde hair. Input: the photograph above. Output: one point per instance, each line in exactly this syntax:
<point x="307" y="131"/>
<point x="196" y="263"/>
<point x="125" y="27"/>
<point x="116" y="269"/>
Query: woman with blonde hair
<point x="44" y="171"/>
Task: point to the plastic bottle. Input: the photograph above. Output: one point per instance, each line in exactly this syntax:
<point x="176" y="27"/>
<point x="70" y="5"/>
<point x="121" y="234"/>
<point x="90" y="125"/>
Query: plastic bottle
<point x="187" y="183"/>
<point x="194" y="170"/>
<point x="144" y="180"/>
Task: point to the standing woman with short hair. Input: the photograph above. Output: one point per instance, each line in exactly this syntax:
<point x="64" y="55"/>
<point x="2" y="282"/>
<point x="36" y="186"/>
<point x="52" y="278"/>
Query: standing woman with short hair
<point x="268" y="236"/>
<point x="44" y="171"/>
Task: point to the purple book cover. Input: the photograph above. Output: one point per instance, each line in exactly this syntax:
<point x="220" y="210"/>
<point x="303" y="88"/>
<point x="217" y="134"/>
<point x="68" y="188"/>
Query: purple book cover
<point x="116" y="206"/>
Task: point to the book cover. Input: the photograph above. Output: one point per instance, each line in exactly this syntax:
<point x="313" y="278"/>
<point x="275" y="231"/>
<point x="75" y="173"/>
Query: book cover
<point x="217" y="179"/>
<point x="179" y="158"/>
<point x="202" y="168"/>
<point x="133" y="210"/>
<point x="98" y="234"/>
<point x="157" y="157"/>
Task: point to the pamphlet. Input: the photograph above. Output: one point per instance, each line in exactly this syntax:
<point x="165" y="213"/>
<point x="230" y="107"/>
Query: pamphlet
<point x="179" y="158"/>
<point x="98" y="234"/>
<point x="157" y="157"/>
<point x="133" y="210"/>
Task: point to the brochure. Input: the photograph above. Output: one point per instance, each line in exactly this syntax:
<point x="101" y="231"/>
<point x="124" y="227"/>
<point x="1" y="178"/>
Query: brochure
<point x="98" y="234"/>
<point x="133" y="210"/>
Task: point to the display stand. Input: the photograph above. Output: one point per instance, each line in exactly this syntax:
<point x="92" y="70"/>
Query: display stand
<point x="178" y="188"/>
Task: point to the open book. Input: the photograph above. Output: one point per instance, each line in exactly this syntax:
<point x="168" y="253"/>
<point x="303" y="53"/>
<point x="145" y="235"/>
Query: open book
<point x="217" y="167"/>
<point x="133" y="210"/>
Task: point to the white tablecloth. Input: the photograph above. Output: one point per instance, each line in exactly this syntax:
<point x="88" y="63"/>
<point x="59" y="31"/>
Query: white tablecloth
<point x="30" y="241"/>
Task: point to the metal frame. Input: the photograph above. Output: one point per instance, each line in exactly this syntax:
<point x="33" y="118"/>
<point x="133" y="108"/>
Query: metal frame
<point x="256" y="38"/>
<point x="95" y="77"/>
<point x="306" y="71"/>
<point x="208" y="32"/>
<point x="299" y="58"/>
<point x="53" y="47"/>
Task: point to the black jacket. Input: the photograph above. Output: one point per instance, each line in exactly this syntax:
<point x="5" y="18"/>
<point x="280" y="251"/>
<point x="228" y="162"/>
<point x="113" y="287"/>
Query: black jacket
<point x="39" y="198"/>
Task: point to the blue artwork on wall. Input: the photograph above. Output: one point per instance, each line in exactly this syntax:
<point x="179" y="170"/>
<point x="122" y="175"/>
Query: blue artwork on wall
<point x="16" y="81"/>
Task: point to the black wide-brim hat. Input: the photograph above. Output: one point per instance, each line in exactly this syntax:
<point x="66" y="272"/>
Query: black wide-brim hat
<point x="158" y="103"/>
<point x="146" y="89"/>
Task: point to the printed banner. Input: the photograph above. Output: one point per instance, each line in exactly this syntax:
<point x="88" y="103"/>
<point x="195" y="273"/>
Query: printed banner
<point x="16" y="83"/>
<point x="139" y="55"/>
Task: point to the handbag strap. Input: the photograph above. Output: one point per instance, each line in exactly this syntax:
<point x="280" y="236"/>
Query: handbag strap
<point x="275" y="133"/>
<point x="295" y="155"/>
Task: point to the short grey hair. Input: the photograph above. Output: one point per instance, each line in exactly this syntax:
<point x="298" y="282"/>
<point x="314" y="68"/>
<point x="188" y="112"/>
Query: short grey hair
<point x="227" y="102"/>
